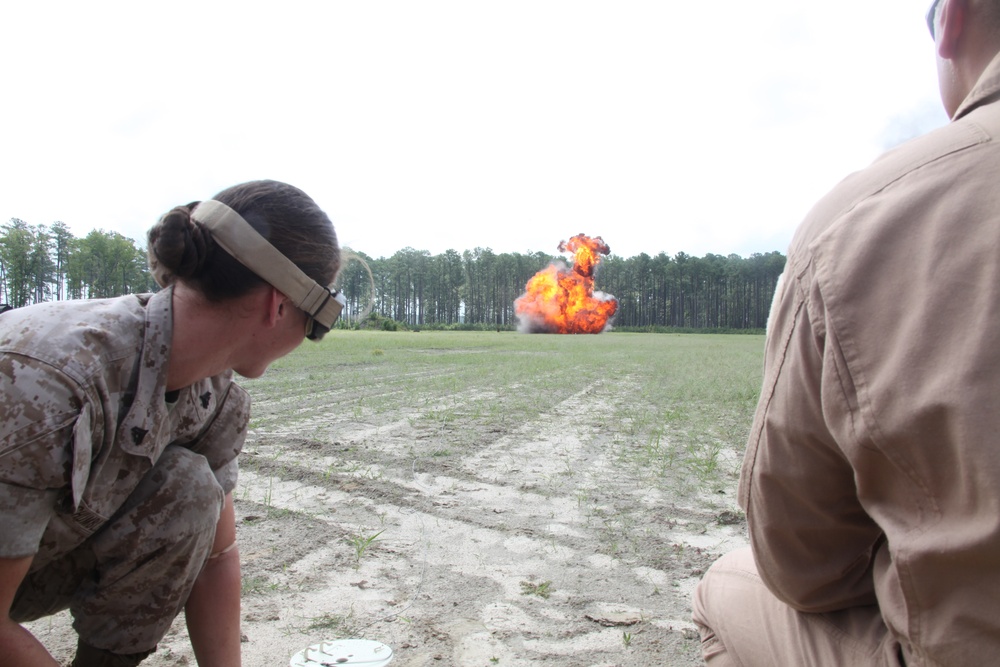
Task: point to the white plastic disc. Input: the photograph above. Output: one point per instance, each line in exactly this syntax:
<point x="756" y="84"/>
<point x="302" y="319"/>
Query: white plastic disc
<point x="349" y="652"/>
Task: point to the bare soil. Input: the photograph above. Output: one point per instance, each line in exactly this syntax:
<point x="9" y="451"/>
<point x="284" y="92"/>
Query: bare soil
<point x="455" y="544"/>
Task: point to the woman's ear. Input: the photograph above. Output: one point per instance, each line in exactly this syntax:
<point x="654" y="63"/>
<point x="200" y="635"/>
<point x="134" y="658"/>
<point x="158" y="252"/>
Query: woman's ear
<point x="277" y="306"/>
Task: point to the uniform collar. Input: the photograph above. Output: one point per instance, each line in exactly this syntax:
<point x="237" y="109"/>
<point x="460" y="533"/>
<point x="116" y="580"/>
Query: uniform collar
<point x="985" y="89"/>
<point x="149" y="408"/>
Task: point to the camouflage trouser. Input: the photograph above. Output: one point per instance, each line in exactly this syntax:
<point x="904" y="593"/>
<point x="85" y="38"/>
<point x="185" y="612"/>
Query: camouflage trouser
<point x="125" y="585"/>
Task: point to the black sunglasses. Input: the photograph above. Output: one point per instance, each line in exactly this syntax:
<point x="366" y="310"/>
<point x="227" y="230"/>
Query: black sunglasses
<point x="931" y="15"/>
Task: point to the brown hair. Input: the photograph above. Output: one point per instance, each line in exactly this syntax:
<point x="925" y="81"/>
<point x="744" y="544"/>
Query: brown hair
<point x="180" y="248"/>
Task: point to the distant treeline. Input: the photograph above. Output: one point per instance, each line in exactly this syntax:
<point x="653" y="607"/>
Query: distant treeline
<point x="47" y="263"/>
<point x="477" y="288"/>
<point x="472" y="289"/>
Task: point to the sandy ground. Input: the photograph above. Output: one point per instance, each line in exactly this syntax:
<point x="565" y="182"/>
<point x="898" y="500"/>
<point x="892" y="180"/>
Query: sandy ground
<point x="520" y="545"/>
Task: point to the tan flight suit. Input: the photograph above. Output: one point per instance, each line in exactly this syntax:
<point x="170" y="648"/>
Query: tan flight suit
<point x="871" y="479"/>
<point x="114" y="487"/>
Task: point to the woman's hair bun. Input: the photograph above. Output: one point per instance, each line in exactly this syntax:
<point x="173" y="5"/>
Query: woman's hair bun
<point x="178" y="246"/>
<point x="182" y="250"/>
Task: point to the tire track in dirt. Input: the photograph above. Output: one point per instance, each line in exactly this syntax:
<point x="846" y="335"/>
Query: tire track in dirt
<point x="506" y="553"/>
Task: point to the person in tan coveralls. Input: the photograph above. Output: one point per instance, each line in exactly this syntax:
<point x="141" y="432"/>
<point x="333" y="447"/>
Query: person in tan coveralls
<point x="120" y="425"/>
<point x="871" y="480"/>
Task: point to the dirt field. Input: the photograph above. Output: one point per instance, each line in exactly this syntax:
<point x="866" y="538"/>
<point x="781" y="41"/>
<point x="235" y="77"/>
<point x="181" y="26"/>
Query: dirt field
<point x="457" y="537"/>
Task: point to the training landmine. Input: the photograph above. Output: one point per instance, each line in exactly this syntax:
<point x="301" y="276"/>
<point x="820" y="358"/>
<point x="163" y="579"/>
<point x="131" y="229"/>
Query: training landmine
<point x="349" y="652"/>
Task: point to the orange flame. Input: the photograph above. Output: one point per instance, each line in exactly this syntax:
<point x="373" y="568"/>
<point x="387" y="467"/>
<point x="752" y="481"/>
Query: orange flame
<point x="562" y="300"/>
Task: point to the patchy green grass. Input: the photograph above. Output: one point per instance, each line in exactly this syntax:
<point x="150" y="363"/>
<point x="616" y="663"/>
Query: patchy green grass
<point x="542" y="590"/>
<point x="678" y="405"/>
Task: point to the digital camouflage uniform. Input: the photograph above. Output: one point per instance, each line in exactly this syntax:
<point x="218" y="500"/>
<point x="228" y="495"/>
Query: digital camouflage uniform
<point x="112" y="485"/>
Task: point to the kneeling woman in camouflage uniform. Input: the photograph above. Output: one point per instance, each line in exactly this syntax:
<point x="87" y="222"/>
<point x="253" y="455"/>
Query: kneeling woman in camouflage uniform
<point x="120" y="426"/>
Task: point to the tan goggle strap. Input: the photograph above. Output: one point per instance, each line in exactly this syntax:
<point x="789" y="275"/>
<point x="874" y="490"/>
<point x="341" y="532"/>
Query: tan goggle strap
<point x="249" y="248"/>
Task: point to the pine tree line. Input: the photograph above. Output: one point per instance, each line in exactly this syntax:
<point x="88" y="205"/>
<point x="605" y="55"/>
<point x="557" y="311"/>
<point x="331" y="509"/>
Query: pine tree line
<point x="47" y="263"/>
<point x="475" y="288"/>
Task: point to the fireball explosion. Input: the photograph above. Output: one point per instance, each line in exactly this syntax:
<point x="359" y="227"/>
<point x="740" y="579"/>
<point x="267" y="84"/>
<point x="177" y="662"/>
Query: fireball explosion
<point x="562" y="300"/>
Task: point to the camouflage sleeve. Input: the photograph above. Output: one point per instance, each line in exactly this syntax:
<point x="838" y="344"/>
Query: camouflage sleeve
<point x="39" y="408"/>
<point x="223" y="440"/>
<point x="24" y="515"/>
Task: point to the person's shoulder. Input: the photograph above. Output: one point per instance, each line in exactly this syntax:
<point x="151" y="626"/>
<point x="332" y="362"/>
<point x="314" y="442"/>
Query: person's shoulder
<point x="78" y="337"/>
<point x="904" y="173"/>
<point x="984" y="118"/>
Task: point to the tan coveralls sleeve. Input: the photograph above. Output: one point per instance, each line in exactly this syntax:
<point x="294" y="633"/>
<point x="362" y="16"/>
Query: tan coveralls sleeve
<point x="812" y="540"/>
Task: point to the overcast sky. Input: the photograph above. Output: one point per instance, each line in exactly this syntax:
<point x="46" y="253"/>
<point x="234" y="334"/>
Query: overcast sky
<point x="702" y="127"/>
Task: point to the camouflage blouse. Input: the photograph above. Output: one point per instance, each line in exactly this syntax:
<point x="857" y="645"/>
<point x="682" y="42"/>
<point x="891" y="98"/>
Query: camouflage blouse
<point x="84" y="415"/>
